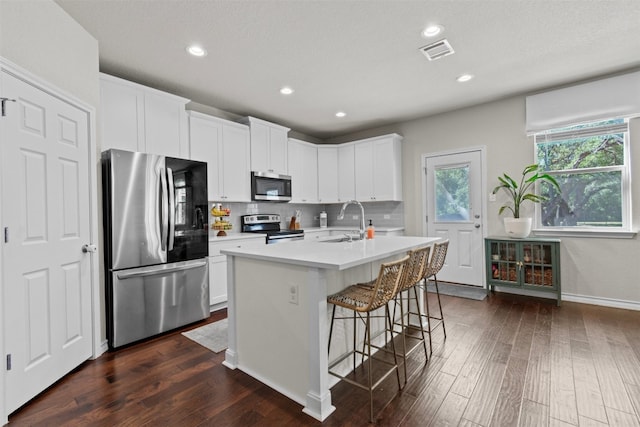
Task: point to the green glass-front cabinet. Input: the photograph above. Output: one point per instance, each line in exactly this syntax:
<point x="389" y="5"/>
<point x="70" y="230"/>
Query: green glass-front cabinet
<point x="530" y="263"/>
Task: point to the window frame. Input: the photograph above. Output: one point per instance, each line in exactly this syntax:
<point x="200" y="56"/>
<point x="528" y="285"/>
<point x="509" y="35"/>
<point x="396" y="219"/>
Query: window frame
<point x="624" y="231"/>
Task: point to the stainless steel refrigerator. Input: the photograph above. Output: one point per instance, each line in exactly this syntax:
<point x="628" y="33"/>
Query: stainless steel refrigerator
<point x="156" y="244"/>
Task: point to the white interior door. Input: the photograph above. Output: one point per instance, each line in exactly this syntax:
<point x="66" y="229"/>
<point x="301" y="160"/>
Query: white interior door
<point x="453" y="203"/>
<point x="45" y="210"/>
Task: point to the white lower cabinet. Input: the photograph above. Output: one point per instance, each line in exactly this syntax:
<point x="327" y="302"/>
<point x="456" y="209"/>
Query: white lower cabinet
<point x="217" y="279"/>
<point x="218" y="266"/>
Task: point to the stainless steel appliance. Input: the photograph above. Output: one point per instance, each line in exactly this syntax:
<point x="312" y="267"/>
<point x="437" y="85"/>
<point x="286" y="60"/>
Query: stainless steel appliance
<point x="267" y="186"/>
<point x="156" y="244"/>
<point x="269" y="224"/>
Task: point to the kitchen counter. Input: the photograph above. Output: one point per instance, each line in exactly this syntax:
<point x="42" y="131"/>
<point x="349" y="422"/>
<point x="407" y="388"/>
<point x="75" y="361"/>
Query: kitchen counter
<point x="235" y="236"/>
<point x="278" y="316"/>
<point x="332" y="255"/>
<point x="344" y="228"/>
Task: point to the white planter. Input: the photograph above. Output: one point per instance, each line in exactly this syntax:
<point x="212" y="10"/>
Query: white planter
<point x="518" y="228"/>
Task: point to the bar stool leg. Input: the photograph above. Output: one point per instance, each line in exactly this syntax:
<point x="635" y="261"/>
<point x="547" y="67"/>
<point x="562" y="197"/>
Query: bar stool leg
<point x="444" y="329"/>
<point x="333" y="316"/>
<point x="426" y="303"/>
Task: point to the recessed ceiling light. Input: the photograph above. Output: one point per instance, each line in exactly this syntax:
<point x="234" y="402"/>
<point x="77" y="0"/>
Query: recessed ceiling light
<point x="341" y="114"/>
<point x="286" y="90"/>
<point x="464" y="78"/>
<point x="432" y="31"/>
<point x="196" y="50"/>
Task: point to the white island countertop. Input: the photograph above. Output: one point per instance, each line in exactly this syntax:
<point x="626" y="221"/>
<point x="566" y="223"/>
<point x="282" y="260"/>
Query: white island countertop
<point x="332" y="255"/>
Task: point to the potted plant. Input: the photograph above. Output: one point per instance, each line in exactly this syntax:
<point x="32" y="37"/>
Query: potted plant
<point x="519" y="193"/>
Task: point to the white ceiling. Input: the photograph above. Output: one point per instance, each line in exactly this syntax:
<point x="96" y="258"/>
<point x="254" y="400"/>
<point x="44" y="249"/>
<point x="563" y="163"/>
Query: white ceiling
<point x="361" y="57"/>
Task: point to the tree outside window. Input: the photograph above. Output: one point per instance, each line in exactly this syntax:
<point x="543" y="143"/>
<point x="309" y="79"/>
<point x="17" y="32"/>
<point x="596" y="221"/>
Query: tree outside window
<point x="590" y="163"/>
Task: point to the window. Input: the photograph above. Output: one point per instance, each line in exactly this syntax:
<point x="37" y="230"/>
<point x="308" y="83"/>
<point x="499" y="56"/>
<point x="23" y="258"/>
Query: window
<point x="452" y="194"/>
<point x="591" y="164"/>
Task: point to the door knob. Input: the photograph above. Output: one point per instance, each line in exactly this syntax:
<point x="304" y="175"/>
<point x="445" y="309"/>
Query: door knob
<point x="89" y="248"/>
<point x="476" y="225"/>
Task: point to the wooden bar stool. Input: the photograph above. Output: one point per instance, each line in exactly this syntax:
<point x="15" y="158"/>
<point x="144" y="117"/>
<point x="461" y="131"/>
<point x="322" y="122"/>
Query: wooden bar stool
<point x="363" y="300"/>
<point x="413" y="273"/>
<point x="438" y="256"/>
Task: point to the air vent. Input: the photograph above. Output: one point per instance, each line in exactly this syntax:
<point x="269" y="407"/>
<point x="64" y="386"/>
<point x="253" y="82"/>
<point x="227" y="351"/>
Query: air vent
<point x="437" y="50"/>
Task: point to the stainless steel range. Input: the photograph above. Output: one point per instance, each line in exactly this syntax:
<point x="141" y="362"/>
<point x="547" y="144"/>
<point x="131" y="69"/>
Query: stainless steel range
<point x="269" y="224"/>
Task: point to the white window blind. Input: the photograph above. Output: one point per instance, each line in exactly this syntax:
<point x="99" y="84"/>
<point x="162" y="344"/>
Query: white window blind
<point x="617" y="96"/>
<point x="581" y="133"/>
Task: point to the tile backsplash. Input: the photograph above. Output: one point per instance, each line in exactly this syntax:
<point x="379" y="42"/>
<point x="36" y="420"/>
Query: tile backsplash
<point x="383" y="214"/>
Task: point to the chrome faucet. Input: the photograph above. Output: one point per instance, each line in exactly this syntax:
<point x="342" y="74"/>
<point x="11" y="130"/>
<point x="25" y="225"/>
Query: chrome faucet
<point x="354" y="202"/>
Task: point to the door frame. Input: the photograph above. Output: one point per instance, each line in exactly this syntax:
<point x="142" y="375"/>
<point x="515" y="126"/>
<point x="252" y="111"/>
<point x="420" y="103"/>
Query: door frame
<point x="483" y="189"/>
<point x="98" y="345"/>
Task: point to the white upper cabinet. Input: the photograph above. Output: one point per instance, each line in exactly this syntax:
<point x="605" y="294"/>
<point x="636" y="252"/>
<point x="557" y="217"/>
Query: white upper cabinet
<point x="224" y="145"/>
<point x="268" y="146"/>
<point x="328" y="173"/>
<point x="378" y="169"/>
<point x="303" y="168"/>
<point x="138" y="118"/>
<point x="346" y="172"/>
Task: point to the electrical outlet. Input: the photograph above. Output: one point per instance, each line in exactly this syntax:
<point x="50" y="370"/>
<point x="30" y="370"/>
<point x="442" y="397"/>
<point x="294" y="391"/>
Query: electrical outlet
<point x="293" y="294"/>
<point x="387" y="216"/>
<point x="355" y="217"/>
<point x="492" y="197"/>
<point x="316" y="218"/>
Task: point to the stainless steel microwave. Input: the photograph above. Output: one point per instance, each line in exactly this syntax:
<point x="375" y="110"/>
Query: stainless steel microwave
<point x="273" y="187"/>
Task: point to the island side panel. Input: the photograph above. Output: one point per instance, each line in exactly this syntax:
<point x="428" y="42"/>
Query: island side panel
<point x="272" y="335"/>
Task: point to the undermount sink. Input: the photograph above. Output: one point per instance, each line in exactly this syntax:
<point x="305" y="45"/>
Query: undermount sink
<point x="341" y="239"/>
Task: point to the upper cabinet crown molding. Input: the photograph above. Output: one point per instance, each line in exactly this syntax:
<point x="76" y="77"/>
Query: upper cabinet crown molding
<point x="135" y="117"/>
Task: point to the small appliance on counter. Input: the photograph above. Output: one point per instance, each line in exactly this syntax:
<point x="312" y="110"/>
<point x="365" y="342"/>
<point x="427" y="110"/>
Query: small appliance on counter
<point x="269" y="224"/>
<point x="323" y="219"/>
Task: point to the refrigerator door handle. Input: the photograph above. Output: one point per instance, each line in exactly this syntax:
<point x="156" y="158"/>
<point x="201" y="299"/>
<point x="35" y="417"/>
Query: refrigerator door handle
<point x="172" y="208"/>
<point x="154" y="271"/>
<point x="164" y="211"/>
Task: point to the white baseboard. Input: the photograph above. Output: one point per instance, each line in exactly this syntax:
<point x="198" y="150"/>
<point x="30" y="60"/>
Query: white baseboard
<point x="606" y="302"/>
<point x="583" y="299"/>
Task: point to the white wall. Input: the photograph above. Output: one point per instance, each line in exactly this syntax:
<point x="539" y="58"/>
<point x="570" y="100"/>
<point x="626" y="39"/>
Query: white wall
<point x="39" y="36"/>
<point x="600" y="268"/>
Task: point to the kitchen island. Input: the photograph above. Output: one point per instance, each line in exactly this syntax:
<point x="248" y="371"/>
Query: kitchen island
<point x="278" y="314"/>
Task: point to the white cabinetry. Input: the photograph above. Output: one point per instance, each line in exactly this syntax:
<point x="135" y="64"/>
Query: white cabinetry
<point x="346" y="172"/>
<point x="268" y="146"/>
<point x="328" y="173"/>
<point x="378" y="164"/>
<point x="303" y="168"/>
<point x="218" y="267"/>
<point x="138" y="118"/>
<point x="224" y="145"/>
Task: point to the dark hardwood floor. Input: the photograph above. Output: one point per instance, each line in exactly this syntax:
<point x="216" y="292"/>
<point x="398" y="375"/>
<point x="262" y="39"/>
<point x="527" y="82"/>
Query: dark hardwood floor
<point x="507" y="361"/>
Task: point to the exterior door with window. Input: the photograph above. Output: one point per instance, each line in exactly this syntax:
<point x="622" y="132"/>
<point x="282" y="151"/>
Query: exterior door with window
<point x="453" y="205"/>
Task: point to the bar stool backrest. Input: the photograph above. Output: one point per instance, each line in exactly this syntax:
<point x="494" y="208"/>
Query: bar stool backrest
<point x="415" y="267"/>
<point x="438" y="256"/>
<point x="386" y="284"/>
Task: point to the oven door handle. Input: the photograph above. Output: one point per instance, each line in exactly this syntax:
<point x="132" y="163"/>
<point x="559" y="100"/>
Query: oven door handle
<point x="286" y="237"/>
